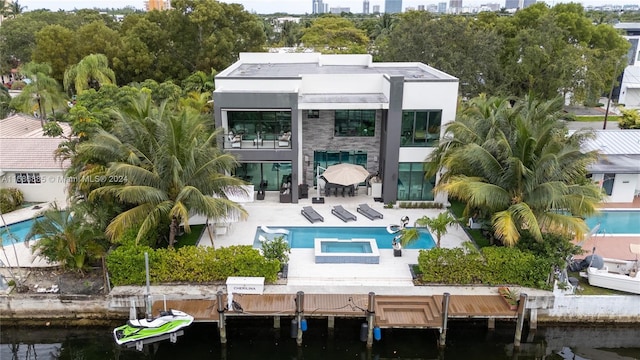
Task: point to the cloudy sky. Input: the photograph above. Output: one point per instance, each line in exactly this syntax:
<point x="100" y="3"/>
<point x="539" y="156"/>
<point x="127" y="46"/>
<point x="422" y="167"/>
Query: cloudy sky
<point x="270" y="6"/>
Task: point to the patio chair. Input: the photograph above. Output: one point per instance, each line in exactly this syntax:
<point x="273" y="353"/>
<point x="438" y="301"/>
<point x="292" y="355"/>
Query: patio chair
<point x="368" y="212"/>
<point x="342" y="213"/>
<point x="311" y="214"/>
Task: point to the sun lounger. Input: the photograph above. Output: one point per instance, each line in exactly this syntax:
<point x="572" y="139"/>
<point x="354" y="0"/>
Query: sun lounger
<point x="368" y="212"/>
<point x="311" y="214"/>
<point x="342" y="214"/>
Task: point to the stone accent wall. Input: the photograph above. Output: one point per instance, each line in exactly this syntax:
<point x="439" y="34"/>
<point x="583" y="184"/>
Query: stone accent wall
<point x="318" y="134"/>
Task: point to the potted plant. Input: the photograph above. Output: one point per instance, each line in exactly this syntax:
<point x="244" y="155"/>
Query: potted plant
<point x="510" y="296"/>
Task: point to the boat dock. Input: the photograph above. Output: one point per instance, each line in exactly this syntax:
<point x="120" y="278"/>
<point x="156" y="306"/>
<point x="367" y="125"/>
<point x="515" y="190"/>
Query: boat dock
<point x="379" y="311"/>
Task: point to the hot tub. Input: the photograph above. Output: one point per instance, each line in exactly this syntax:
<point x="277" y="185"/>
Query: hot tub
<point x="343" y="251"/>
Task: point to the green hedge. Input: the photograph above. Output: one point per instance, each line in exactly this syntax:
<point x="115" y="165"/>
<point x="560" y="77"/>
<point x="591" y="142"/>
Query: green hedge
<point x="492" y="266"/>
<point x="192" y="264"/>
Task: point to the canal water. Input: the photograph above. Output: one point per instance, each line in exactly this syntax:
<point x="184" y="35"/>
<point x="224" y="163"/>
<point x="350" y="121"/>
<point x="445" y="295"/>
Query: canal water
<point x="256" y="339"/>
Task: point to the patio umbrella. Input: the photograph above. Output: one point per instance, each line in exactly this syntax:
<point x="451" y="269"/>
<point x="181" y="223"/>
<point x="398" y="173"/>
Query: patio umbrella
<point x="345" y="174"/>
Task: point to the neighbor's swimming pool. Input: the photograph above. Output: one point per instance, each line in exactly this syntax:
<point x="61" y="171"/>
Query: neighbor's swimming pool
<point x="616" y="222"/>
<point x="302" y="237"/>
<point x="19" y="231"/>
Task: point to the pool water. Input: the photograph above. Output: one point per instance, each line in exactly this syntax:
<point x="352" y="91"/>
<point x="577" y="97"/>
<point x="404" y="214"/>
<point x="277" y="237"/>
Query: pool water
<point x="616" y="222"/>
<point x="351" y="247"/>
<point x="18" y="230"/>
<point x="302" y="237"/>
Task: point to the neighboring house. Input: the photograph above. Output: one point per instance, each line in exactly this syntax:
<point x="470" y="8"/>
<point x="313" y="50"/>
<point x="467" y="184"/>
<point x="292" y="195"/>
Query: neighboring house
<point x="618" y="169"/>
<point x="288" y="116"/>
<point x="27" y="160"/>
<point x="629" y="94"/>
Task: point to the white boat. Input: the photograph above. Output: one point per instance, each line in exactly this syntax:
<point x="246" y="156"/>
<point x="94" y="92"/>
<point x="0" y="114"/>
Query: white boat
<point x="621" y="275"/>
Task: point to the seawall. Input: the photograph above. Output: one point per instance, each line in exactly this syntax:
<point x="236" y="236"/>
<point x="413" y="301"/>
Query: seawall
<point x="59" y="309"/>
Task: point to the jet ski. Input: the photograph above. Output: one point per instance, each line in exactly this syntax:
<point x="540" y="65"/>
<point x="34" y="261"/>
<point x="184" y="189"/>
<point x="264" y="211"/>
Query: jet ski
<point x="167" y="322"/>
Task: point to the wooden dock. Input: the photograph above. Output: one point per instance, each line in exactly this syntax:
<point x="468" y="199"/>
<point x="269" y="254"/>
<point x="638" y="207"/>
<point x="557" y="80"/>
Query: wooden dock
<point x="390" y="311"/>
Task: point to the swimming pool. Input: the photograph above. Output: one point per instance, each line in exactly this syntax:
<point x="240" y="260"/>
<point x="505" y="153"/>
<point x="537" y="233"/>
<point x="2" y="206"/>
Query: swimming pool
<point x="19" y="231"/>
<point x="616" y="221"/>
<point x="302" y="237"/>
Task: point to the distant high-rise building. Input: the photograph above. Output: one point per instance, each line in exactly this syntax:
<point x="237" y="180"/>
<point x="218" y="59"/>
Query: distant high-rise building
<point x="442" y="7"/>
<point x="512" y="4"/>
<point x="157" y="5"/>
<point x="392" y="6"/>
<point x="420" y="7"/>
<point x="528" y="3"/>
<point x="365" y="7"/>
<point x="339" y="10"/>
<point x="326" y="9"/>
<point x="455" y="6"/>
<point x="376" y="9"/>
<point x="318" y="7"/>
<point x="432" y="8"/>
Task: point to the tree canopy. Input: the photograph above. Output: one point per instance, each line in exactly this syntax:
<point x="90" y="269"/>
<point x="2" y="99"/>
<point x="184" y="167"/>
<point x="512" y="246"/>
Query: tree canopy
<point x="518" y="166"/>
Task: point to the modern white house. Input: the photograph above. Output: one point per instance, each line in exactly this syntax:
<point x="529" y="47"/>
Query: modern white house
<point x="288" y="116"/>
<point x="630" y="85"/>
<point x="27" y="160"/>
<point x="618" y="169"/>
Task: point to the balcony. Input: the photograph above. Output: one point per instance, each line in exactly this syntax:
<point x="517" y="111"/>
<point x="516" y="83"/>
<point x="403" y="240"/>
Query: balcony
<point x="257" y="141"/>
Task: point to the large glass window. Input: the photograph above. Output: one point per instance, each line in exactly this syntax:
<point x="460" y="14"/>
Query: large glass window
<point x="412" y="184"/>
<point x="421" y="128"/>
<point x="355" y="123"/>
<point x="270" y="174"/>
<point x="327" y="158"/>
<point x="270" y="124"/>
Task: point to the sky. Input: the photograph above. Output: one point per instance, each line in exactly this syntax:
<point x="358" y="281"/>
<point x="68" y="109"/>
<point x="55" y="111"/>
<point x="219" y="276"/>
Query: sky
<point x="271" y="6"/>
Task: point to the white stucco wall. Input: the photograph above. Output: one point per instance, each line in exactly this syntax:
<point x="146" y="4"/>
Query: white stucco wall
<point x="342" y="84"/>
<point x="427" y="95"/>
<point x="251" y="85"/>
<point x="624" y="188"/>
<point x="630" y="87"/>
<point x="603" y="307"/>
<point x="51" y="188"/>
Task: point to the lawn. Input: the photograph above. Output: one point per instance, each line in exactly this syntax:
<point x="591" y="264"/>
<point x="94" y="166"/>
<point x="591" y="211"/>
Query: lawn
<point x="190" y="239"/>
<point x="457" y="208"/>
<point x="586" y="289"/>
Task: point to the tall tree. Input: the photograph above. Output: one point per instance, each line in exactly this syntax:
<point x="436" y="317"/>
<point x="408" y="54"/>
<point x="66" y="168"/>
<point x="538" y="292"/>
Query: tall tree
<point x="457" y="45"/>
<point x="56" y="45"/>
<point x="42" y="92"/>
<point x="5" y="100"/>
<point x="164" y="166"/>
<point x="92" y="72"/>
<point x="517" y="165"/>
<point x="335" y="35"/>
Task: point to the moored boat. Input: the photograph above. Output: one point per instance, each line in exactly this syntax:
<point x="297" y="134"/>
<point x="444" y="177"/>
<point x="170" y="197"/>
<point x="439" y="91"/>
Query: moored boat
<point x="166" y="323"/>
<point x="621" y="275"/>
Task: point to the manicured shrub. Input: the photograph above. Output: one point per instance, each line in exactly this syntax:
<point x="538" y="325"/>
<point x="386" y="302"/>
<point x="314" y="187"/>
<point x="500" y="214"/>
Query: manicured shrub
<point x="493" y="266"/>
<point x="190" y="264"/>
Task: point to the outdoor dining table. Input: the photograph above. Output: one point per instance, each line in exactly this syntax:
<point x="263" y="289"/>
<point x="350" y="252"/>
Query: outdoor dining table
<point x="337" y="188"/>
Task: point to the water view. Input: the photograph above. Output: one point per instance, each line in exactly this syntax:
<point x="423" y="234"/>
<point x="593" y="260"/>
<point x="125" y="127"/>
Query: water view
<point x="256" y="339"/>
<point x="302" y="237"/>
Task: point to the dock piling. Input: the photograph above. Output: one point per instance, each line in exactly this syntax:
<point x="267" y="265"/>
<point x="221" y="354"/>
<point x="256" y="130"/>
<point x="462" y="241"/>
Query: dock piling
<point x="445" y="315"/>
<point x="371" y="315"/>
<point x="221" y="323"/>
<point x="522" y="304"/>
<point x="299" y="314"/>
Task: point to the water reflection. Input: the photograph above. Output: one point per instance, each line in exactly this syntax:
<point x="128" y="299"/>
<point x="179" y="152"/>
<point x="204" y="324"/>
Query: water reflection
<point x="256" y="339"/>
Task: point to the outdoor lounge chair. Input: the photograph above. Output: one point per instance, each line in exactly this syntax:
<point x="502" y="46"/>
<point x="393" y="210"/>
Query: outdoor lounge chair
<point x="311" y="214"/>
<point x="368" y="212"/>
<point x="342" y="214"/>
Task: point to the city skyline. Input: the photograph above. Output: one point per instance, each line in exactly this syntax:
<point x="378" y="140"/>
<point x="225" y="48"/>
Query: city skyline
<point x="284" y="6"/>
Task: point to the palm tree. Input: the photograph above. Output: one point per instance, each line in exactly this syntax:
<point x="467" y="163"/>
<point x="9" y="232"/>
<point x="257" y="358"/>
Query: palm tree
<point x="5" y="100"/>
<point x="90" y="73"/>
<point x="66" y="237"/>
<point x="164" y="165"/>
<point x="42" y="91"/>
<point x="438" y="224"/>
<point x="11" y="9"/>
<point x="516" y="162"/>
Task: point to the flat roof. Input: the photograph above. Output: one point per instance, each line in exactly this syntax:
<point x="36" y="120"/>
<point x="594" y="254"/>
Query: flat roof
<point x="296" y="70"/>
